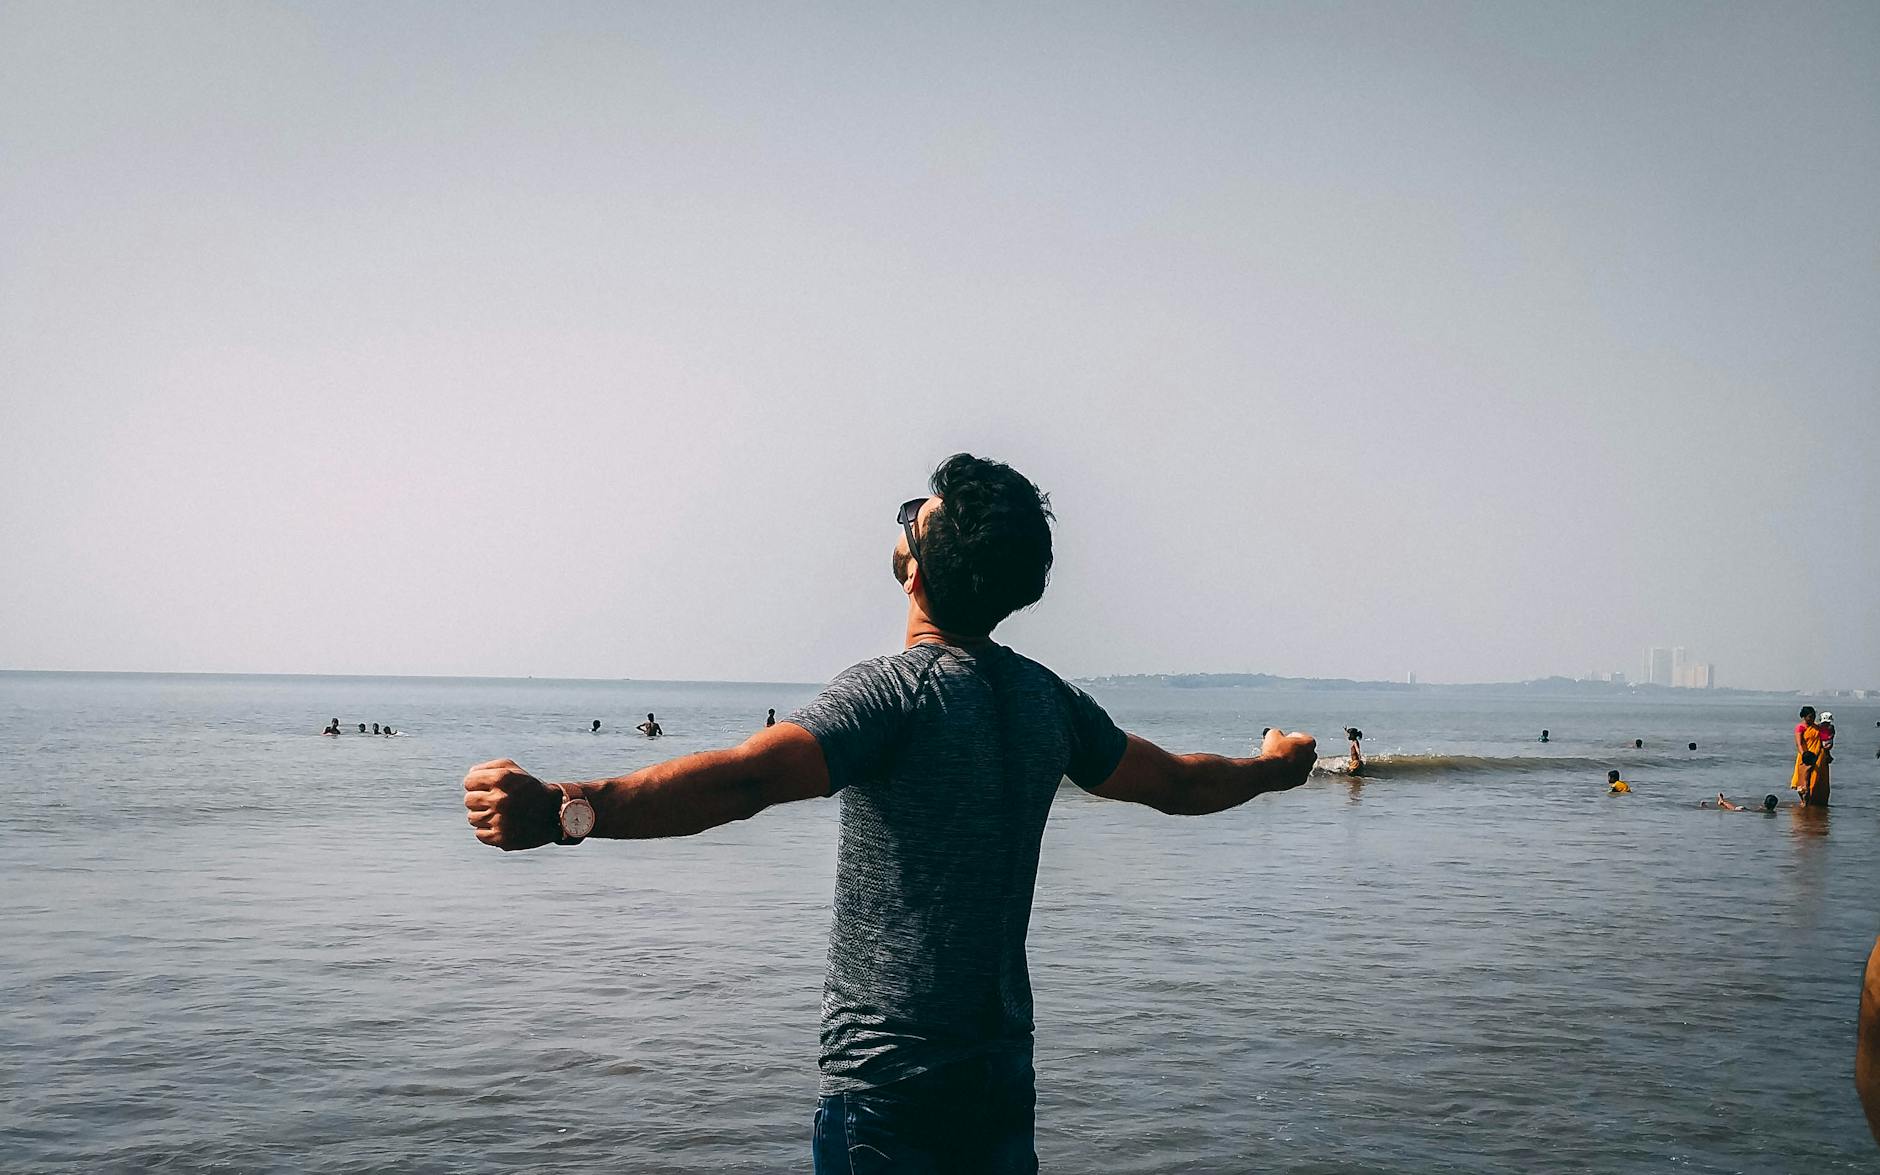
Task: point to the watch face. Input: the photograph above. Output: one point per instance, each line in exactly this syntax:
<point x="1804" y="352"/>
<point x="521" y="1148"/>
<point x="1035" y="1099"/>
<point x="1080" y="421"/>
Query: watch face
<point x="577" y="818"/>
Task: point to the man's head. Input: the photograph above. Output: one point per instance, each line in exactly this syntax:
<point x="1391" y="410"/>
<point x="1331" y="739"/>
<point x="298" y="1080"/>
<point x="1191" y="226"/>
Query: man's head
<point x="1769" y="803"/>
<point x="1612" y="777"/>
<point x="981" y="544"/>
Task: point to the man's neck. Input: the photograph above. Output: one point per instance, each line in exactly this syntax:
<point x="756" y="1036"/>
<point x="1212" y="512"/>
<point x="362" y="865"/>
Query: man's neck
<point x="921" y="630"/>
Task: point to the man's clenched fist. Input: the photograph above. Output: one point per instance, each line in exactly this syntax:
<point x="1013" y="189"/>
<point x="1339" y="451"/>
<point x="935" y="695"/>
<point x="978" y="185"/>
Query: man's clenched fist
<point x="510" y="808"/>
<point x="1296" y="752"/>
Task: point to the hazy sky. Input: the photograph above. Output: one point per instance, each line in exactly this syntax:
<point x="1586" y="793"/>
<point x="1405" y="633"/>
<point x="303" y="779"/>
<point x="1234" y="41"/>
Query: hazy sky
<point x="1484" y="342"/>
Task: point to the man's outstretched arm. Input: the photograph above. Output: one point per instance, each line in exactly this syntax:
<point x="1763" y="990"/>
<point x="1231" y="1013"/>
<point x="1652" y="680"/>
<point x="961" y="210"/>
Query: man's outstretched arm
<point x="1195" y="785"/>
<point x="511" y="809"/>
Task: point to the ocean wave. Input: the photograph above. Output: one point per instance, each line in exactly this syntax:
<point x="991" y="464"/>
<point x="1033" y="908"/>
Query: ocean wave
<point x="1394" y="763"/>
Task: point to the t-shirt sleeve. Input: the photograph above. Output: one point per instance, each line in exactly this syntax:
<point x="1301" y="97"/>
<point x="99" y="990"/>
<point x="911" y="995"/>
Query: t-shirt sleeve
<point x="856" y="720"/>
<point x="1097" y="743"/>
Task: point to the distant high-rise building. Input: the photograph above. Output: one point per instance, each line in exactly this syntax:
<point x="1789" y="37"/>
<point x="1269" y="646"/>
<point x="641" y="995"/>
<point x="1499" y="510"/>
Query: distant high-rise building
<point x="1703" y="675"/>
<point x="1658" y="667"/>
<point x="1411" y="677"/>
<point x="1680" y="667"/>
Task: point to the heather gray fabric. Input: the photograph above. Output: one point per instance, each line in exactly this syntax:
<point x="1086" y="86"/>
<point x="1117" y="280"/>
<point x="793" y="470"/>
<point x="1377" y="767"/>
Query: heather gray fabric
<point x="947" y="760"/>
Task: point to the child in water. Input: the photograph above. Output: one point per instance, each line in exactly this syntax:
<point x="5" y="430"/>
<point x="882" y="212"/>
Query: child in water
<point x="1616" y="786"/>
<point x="1355" y="764"/>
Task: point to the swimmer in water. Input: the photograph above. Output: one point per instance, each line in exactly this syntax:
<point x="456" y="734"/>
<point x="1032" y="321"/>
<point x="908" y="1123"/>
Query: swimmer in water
<point x="597" y="726"/>
<point x="1616" y="786"/>
<point x="1355" y="764"/>
<point x="1544" y="736"/>
<point x="332" y="727"/>
<point x="1722" y="804"/>
<point x="650" y="728"/>
<point x="770" y="719"/>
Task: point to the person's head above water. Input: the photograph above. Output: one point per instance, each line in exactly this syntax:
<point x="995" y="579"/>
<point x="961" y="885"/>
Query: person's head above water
<point x="1612" y="777"/>
<point x="1638" y="742"/>
<point x="597" y="724"/>
<point x="977" y="548"/>
<point x="1769" y="803"/>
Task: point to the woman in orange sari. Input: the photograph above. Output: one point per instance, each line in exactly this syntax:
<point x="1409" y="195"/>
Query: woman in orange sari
<point x="1809" y="769"/>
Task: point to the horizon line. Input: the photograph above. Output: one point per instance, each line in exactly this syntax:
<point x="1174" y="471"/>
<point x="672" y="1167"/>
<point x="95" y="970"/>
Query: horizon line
<point x="1395" y="685"/>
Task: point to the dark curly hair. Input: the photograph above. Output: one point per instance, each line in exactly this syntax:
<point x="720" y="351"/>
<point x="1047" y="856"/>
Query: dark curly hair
<point x="985" y="550"/>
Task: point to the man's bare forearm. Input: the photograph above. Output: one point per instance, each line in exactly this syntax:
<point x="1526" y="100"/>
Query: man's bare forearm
<point x="1194" y="785"/>
<point x="688" y="795"/>
<point x="676" y="798"/>
<point x="1215" y="783"/>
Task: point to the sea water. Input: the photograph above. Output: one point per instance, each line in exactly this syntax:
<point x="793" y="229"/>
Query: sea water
<point x="228" y="943"/>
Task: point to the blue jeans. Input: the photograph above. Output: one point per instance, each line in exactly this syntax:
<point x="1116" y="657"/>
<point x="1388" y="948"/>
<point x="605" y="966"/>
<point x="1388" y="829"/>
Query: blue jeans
<point x="974" y="1116"/>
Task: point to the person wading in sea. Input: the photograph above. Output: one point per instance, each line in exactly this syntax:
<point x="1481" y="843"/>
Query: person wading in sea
<point x="1810" y="777"/>
<point x="946" y="756"/>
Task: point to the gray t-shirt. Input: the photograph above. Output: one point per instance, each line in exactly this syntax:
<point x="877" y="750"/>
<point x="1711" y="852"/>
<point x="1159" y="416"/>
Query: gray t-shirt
<point x="947" y="760"/>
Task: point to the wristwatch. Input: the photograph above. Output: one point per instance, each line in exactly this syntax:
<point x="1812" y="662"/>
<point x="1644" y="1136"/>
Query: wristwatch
<point x="577" y="815"/>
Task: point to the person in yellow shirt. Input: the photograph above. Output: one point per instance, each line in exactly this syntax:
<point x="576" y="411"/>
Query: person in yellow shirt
<point x="1617" y="786"/>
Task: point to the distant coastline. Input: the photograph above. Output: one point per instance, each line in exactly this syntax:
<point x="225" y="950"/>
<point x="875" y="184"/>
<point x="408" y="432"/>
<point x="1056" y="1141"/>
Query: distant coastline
<point x="1541" y="686"/>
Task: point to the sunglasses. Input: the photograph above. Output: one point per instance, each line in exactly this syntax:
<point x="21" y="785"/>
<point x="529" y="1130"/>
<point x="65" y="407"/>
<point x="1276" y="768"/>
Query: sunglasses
<point x="910" y="511"/>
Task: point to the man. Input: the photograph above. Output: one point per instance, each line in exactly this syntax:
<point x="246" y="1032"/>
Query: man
<point x="947" y="757"/>
<point x="650" y="728"/>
